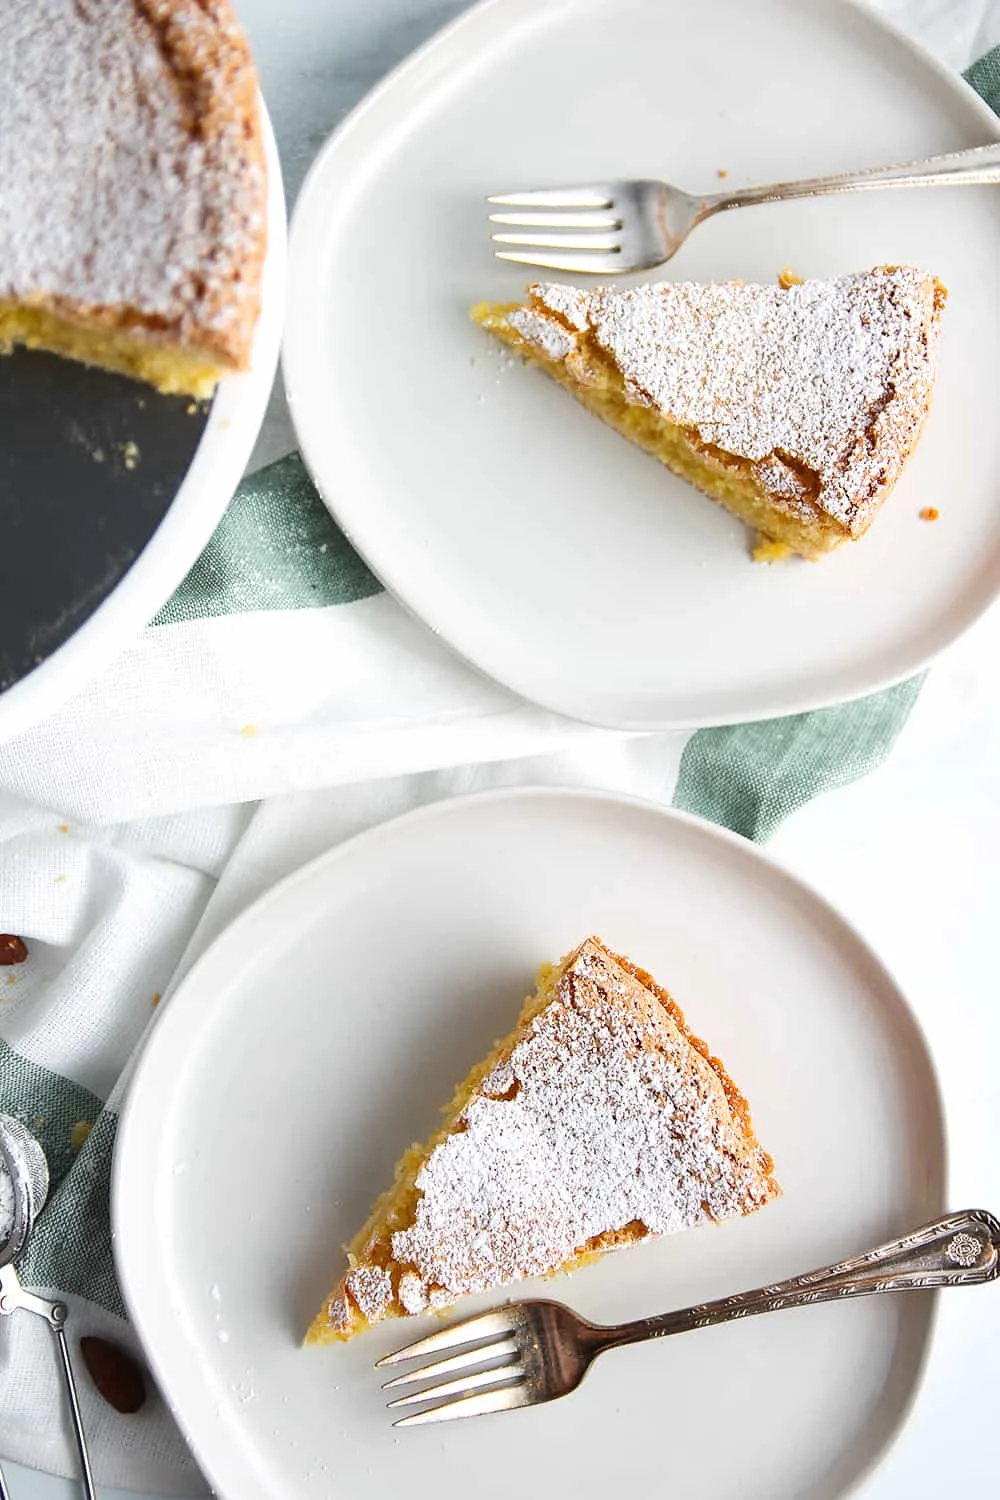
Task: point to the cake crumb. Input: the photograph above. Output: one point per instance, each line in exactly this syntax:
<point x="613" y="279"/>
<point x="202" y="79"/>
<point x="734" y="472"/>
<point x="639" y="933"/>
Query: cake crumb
<point x="79" y="1132"/>
<point x="929" y="513"/>
<point x="191" y="408"/>
<point x="155" y="1000"/>
<point x="64" y="828"/>
<point x="766" y="550"/>
<point x="130" y="454"/>
<point x="98" y="455"/>
<point x="787" y="277"/>
<point x="249" y="731"/>
<point x="722" y="172"/>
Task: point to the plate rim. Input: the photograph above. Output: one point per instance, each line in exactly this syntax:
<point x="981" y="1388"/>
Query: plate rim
<point x="187" y="524"/>
<point x="306" y="235"/>
<point x="179" y="1022"/>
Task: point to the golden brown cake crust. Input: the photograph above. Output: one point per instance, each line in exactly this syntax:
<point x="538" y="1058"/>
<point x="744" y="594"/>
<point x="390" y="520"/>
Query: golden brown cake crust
<point x="133" y="170"/>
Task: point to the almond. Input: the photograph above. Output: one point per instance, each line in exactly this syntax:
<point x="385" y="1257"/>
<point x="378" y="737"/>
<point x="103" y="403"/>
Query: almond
<point x="117" y="1376"/>
<point x="13" y="950"/>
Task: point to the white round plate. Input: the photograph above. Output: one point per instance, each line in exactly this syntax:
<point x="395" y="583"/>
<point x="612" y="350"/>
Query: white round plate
<point x="215" y="471"/>
<point x="322" y="1033"/>
<point x="546" y="551"/>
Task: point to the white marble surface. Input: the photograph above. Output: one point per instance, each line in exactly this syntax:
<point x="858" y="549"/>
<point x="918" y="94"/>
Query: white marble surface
<point x="912" y="854"/>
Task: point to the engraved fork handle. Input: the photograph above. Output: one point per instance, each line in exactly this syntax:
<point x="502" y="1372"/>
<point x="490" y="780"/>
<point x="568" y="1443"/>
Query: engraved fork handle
<point x="960" y="1250"/>
<point x="979" y="165"/>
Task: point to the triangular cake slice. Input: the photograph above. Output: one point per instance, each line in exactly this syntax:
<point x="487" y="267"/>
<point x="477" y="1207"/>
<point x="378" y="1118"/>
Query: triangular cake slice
<point x="599" y="1121"/>
<point x="794" y="405"/>
<point x="134" y="187"/>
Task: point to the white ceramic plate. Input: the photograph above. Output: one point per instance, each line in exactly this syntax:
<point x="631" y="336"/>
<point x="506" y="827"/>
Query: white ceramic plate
<point x="544" y="549"/>
<point x="207" y="488"/>
<point x="323" y="1031"/>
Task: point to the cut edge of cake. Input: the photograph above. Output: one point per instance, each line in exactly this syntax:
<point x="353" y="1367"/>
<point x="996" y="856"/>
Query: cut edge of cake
<point x="172" y="367"/>
<point x="800" y="426"/>
<point x="377" y="1285"/>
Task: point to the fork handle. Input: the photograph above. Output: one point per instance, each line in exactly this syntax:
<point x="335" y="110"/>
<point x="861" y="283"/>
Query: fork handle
<point x="960" y="1250"/>
<point x="978" y="166"/>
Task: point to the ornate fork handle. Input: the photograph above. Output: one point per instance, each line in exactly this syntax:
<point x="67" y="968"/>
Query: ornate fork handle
<point x="960" y="1250"/>
<point x="979" y="165"/>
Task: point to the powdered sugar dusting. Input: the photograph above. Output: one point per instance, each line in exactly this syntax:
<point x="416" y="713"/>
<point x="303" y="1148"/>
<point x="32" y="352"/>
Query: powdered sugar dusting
<point x="131" y="164"/>
<point x="611" y="1117"/>
<point x="569" y="302"/>
<point x="779" y="478"/>
<point x="338" y="1312"/>
<point x="545" y="333"/>
<point x="834" y="376"/>
<point x="371" y="1288"/>
<point x="412" y="1293"/>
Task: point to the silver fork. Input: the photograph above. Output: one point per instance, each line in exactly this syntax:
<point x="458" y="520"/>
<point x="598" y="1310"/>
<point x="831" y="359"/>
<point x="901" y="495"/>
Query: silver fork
<point x="614" y="227"/>
<point x="537" y="1351"/>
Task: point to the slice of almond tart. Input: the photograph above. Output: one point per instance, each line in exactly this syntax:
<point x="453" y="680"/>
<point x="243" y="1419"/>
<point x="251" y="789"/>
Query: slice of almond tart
<point x="795" y="406"/>
<point x="600" y="1120"/>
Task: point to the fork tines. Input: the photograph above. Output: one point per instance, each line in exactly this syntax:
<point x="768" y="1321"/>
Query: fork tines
<point x="580" y="220"/>
<point x="484" y="1340"/>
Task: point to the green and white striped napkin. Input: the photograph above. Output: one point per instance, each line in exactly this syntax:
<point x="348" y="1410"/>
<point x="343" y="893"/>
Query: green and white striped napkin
<point x="128" y="838"/>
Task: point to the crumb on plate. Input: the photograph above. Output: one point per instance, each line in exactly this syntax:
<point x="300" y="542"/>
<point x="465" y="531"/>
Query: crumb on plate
<point x="765" y="550"/>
